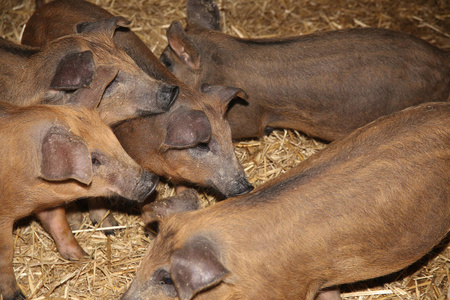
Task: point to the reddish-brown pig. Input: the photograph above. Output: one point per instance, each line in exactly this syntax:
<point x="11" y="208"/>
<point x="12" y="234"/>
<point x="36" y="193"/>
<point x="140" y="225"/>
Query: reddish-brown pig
<point x="191" y="144"/>
<point x="51" y="155"/>
<point x="368" y="205"/>
<point x="324" y="84"/>
<point x="87" y="69"/>
<point x="85" y="66"/>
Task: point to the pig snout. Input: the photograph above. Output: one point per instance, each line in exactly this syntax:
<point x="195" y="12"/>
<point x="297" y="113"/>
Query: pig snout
<point x="166" y="95"/>
<point x="239" y="187"/>
<point x="145" y="186"/>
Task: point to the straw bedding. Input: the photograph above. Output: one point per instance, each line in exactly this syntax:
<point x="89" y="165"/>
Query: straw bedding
<point x="43" y="274"/>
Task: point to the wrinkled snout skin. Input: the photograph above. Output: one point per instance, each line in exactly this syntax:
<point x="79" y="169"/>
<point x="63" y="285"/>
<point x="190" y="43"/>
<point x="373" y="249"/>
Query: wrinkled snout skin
<point x="324" y="84"/>
<point x="365" y="206"/>
<point x="51" y="155"/>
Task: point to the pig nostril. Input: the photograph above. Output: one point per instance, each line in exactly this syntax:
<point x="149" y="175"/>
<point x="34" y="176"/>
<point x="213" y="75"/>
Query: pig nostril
<point x="244" y="187"/>
<point x="147" y="185"/>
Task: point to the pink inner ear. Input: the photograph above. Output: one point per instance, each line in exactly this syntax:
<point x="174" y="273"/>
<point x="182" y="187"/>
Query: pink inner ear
<point x="183" y="46"/>
<point x="65" y="156"/>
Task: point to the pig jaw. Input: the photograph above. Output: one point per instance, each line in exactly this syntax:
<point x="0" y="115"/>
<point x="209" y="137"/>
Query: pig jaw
<point x="137" y="188"/>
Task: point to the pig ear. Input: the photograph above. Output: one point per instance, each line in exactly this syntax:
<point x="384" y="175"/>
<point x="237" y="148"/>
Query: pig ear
<point x="107" y="25"/>
<point x="203" y="13"/>
<point x="187" y="128"/>
<point x="224" y="93"/>
<point x="195" y="267"/>
<point x="184" y="201"/>
<point x="65" y="156"/>
<point x="90" y="96"/>
<point x="74" y="71"/>
<point x="183" y="46"/>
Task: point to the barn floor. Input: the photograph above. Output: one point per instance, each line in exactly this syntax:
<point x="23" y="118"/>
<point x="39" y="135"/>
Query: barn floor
<point x="43" y="274"/>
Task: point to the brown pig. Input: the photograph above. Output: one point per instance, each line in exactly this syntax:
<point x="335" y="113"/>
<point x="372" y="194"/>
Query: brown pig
<point x="191" y="144"/>
<point x="51" y="155"/>
<point x="324" y="84"/>
<point x="368" y="205"/>
<point x="85" y="68"/>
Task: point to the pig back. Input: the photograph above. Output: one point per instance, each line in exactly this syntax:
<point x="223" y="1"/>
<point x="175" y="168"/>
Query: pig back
<point x="327" y="84"/>
<point x="366" y="206"/>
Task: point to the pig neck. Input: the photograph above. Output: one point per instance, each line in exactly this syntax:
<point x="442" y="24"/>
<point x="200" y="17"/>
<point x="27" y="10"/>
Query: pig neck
<point x="259" y="67"/>
<point x="24" y="81"/>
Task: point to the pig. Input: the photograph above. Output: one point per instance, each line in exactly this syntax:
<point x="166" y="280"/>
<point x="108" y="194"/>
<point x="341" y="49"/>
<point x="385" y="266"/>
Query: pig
<point x="51" y="155"/>
<point x="85" y="69"/>
<point x="190" y="145"/>
<point x="83" y="66"/>
<point x="323" y="84"/>
<point x="367" y="205"/>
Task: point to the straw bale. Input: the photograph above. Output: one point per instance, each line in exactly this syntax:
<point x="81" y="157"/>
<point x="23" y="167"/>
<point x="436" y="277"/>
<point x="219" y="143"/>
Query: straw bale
<point x="43" y="274"/>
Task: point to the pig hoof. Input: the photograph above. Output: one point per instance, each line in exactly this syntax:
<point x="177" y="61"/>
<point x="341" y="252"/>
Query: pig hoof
<point x="18" y="295"/>
<point x="74" y="254"/>
<point x="108" y="221"/>
<point x="109" y="232"/>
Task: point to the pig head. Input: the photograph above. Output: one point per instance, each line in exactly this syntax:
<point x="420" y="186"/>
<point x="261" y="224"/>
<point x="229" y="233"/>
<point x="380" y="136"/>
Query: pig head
<point x="191" y="144"/>
<point x="324" y="84"/>
<point x="51" y="155"/>
<point x="366" y="206"/>
<point x="84" y="68"/>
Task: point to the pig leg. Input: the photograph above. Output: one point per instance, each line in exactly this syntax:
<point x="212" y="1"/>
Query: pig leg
<point x="8" y="286"/>
<point x="55" y="222"/>
<point x="97" y="211"/>
<point x="329" y="294"/>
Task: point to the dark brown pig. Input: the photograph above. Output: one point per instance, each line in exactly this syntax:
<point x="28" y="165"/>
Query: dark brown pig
<point x="191" y="144"/>
<point x="79" y="68"/>
<point x="366" y="206"/>
<point x="324" y="84"/>
<point x="51" y="155"/>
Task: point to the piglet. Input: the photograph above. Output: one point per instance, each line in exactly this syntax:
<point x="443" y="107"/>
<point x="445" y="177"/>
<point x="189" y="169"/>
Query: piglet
<point x="84" y="68"/>
<point x="368" y="205"/>
<point x="51" y="155"/>
<point x="324" y="84"/>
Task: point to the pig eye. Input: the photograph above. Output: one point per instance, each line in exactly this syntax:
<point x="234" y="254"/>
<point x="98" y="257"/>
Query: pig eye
<point x="166" y="280"/>
<point x="202" y="147"/>
<point x="96" y="163"/>
<point x="166" y="61"/>
<point x="162" y="278"/>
